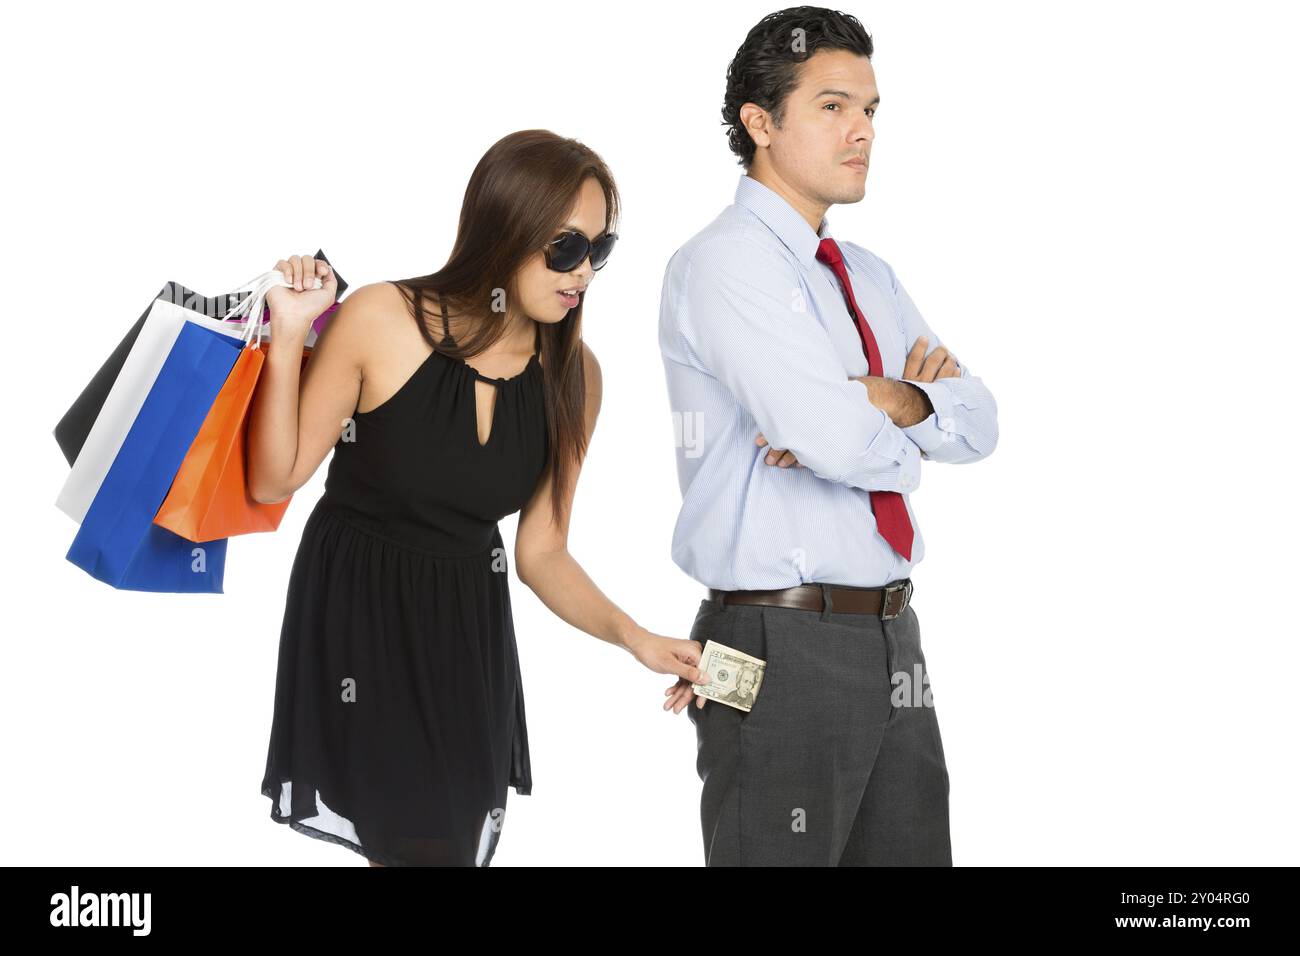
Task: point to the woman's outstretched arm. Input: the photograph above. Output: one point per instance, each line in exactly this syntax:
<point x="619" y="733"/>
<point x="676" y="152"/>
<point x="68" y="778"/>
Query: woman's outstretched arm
<point x="543" y="562"/>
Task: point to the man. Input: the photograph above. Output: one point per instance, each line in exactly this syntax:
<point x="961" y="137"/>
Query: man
<point x="808" y="389"/>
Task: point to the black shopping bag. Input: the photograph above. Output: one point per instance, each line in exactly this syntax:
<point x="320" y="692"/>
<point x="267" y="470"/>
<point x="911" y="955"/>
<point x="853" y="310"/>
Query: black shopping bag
<point x="75" y="425"/>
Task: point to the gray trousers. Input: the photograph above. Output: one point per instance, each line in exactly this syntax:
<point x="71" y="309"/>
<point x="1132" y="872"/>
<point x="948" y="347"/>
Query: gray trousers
<point x="839" y="762"/>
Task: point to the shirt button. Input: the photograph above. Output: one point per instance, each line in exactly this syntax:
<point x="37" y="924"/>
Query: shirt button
<point x="946" y="424"/>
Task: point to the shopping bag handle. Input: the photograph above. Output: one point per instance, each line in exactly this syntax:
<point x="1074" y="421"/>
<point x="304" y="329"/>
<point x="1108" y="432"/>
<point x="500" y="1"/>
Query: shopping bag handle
<point x="252" y="305"/>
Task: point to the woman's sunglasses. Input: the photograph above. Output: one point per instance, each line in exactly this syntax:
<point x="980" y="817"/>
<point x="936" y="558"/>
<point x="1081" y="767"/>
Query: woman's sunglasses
<point x="565" y="253"/>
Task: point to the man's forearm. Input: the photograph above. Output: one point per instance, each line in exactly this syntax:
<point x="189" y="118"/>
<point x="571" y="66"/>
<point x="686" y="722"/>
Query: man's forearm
<point x="903" y="402"/>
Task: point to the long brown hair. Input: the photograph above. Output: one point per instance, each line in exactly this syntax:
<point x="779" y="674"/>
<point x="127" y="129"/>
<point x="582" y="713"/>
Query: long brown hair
<point x="516" y="201"/>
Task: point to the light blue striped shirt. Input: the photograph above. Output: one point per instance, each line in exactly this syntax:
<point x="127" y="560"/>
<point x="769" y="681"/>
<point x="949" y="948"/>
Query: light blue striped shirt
<point x="756" y="337"/>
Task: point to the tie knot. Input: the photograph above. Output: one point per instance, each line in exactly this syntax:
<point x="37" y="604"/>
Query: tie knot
<point x="828" y="252"/>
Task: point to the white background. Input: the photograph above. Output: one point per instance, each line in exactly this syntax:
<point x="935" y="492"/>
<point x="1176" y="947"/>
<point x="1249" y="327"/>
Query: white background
<point x="1094" y="205"/>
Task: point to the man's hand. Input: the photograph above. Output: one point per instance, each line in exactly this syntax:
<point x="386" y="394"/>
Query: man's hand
<point x="903" y="402"/>
<point x="777" y="456"/>
<point x="938" y="364"/>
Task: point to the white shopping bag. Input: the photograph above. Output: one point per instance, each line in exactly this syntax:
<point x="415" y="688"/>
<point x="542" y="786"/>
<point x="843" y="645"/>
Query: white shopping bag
<point x="157" y="336"/>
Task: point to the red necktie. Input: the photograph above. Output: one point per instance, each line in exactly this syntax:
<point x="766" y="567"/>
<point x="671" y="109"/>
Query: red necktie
<point x="888" y="506"/>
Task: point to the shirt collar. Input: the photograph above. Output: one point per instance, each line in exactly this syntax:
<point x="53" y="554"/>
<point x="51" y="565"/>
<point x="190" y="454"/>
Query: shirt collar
<point x="782" y="218"/>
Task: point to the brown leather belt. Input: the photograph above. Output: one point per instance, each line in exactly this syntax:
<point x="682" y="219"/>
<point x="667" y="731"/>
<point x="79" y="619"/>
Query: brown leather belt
<point x="888" y="602"/>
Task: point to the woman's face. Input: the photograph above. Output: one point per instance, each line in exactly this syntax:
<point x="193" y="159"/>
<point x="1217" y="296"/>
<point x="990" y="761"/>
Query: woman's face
<point x="541" y="290"/>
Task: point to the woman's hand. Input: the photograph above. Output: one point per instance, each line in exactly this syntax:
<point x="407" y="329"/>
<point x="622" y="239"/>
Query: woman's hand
<point x="670" y="655"/>
<point x="294" y="310"/>
<point x="680" y="694"/>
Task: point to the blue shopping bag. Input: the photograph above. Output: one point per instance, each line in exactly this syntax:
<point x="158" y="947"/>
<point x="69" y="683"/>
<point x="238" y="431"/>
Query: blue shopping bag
<point x="118" y="543"/>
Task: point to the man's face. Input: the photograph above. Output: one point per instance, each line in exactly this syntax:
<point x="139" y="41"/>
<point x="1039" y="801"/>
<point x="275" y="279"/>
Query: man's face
<point x="823" y="147"/>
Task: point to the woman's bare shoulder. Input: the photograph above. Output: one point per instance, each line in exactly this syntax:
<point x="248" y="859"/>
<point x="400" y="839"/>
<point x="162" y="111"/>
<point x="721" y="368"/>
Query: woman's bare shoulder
<point x="590" y="367"/>
<point x="594" y="383"/>
<point x="377" y="300"/>
<point x="371" y="312"/>
<point x="368" y="328"/>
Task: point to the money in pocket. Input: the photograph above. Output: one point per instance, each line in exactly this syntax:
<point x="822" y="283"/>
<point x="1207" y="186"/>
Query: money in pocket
<point x="734" y="676"/>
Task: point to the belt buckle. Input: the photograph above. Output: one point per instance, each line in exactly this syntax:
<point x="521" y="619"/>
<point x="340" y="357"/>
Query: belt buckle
<point x="890" y="590"/>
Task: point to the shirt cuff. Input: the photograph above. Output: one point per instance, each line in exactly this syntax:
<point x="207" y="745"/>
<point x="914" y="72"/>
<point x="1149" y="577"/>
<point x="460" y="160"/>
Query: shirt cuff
<point x="901" y="458"/>
<point x="940" y="427"/>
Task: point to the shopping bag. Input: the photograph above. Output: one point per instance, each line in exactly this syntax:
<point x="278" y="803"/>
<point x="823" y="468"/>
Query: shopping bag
<point x="158" y="332"/>
<point x="209" y="498"/>
<point x="118" y="543"/>
<point x="76" y="423"/>
<point x="162" y="326"/>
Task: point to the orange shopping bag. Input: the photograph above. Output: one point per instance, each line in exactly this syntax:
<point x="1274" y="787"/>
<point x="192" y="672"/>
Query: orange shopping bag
<point x="209" y="496"/>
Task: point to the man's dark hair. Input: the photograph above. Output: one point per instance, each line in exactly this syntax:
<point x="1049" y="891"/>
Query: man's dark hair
<point x="765" y="68"/>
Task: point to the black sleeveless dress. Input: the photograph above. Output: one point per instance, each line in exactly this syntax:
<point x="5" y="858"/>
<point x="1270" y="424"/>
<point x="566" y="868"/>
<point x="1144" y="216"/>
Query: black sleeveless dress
<point x="398" y="720"/>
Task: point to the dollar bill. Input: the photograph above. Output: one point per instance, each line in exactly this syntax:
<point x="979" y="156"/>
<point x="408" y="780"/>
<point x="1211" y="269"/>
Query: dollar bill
<point x="734" y="676"/>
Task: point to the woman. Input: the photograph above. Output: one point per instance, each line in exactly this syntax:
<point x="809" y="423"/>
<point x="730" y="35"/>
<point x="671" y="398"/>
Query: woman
<point x="451" y="400"/>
